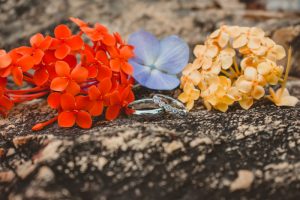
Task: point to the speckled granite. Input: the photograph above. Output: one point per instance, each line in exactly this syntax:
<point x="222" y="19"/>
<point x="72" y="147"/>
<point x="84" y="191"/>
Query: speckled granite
<point x="241" y="154"/>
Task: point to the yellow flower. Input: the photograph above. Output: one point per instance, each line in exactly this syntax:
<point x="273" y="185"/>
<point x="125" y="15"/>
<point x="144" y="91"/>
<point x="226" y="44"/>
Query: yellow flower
<point x="248" y="84"/>
<point x="189" y="95"/>
<point x="282" y="98"/>
<point x="216" y="93"/>
<point x="226" y="58"/>
<point x="270" y="71"/>
<point x="220" y="36"/>
<point x="220" y="80"/>
<point x="276" y="52"/>
<point x="246" y="102"/>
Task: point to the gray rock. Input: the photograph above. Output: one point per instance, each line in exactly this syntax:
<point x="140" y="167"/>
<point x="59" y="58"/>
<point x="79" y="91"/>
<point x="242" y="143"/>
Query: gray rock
<point x="240" y="154"/>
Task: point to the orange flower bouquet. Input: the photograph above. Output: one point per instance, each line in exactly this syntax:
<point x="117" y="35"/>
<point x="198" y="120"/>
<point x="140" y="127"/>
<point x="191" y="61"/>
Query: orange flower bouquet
<point x="81" y="79"/>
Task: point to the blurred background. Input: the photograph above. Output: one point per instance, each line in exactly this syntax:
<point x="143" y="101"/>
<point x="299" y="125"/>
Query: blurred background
<point x="192" y="20"/>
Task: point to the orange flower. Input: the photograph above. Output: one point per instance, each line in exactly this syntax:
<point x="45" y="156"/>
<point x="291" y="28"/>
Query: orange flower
<point x="118" y="99"/>
<point x="95" y="62"/>
<point x="99" y="33"/>
<point x="15" y="64"/>
<point x="46" y="70"/>
<point x="68" y="80"/>
<point x="5" y="103"/>
<point x="5" y="59"/>
<point x="65" y="42"/>
<point x="74" y="111"/>
<point x="39" y="44"/>
<point x="82" y="78"/>
<point x="119" y="60"/>
<point x="97" y="96"/>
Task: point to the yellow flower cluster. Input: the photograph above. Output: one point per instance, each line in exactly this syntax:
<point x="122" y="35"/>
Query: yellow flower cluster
<point x="236" y="64"/>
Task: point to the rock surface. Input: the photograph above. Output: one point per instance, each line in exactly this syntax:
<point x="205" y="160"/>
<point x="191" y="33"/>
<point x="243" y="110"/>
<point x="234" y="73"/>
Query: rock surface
<point x="252" y="154"/>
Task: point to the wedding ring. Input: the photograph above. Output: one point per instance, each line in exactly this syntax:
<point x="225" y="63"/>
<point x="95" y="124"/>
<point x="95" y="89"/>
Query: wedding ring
<point x="170" y="105"/>
<point x="145" y="107"/>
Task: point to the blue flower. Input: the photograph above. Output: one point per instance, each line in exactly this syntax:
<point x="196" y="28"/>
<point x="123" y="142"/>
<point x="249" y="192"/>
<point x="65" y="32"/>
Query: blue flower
<point x="157" y="64"/>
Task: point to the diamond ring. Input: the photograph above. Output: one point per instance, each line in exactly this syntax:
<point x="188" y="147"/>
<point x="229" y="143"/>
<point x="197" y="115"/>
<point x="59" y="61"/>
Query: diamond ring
<point x="170" y="105"/>
<point x="145" y="107"/>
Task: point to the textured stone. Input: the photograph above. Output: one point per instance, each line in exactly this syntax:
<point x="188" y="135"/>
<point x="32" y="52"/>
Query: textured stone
<point x="197" y="157"/>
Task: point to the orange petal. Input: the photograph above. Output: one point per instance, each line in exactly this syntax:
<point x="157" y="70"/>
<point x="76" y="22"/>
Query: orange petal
<point x="75" y="42"/>
<point x="87" y="54"/>
<point x="62" y="31"/>
<point x="119" y="38"/>
<point x="127" y="52"/>
<point x="51" y="71"/>
<point x="37" y="56"/>
<point x="73" y="88"/>
<point x="93" y="92"/>
<point x="17" y="76"/>
<point x="112" y="112"/>
<point x="67" y="101"/>
<point x="5" y="60"/>
<point x="115" y="65"/>
<point x="24" y="50"/>
<point x="104" y="72"/>
<point x="78" y="22"/>
<point x="100" y="28"/>
<point x="62" y="51"/>
<point x="66" y="119"/>
<point x="84" y="119"/>
<point x="88" y="30"/>
<point x="5" y="72"/>
<point x="6" y="103"/>
<point x="113" y="51"/>
<point x="115" y="98"/>
<point x="54" y="100"/>
<point x="59" y="84"/>
<point x="127" y="68"/>
<point x="36" y="40"/>
<point x="49" y="57"/>
<point x="46" y="43"/>
<point x="83" y="102"/>
<point x="127" y="94"/>
<point x="92" y="71"/>
<point x="40" y="76"/>
<point x="26" y="63"/>
<point x="62" y="68"/>
<point x="102" y="57"/>
<point x="79" y="74"/>
<point x="109" y="39"/>
<point x="105" y="85"/>
<point x="95" y="36"/>
<point x="97" y="108"/>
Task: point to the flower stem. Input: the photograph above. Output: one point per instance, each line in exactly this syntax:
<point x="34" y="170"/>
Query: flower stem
<point x="18" y="98"/>
<point x="24" y="91"/>
<point x="226" y="73"/>
<point x="234" y="73"/>
<point x="236" y="65"/>
<point x="40" y="126"/>
<point x="287" y="70"/>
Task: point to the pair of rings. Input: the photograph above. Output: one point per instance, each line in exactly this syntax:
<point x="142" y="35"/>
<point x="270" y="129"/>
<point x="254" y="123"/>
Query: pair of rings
<point x="157" y="105"/>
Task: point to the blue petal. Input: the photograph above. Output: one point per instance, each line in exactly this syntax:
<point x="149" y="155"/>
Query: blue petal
<point x="161" y="81"/>
<point x="141" y="73"/>
<point x="153" y="78"/>
<point x="173" y="56"/>
<point x="146" y="47"/>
